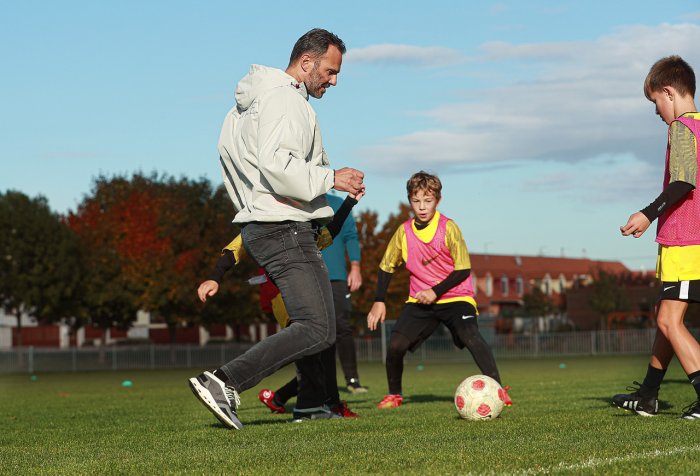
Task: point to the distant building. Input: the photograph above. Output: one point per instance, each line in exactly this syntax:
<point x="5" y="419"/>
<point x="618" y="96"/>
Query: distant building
<point x="501" y="281"/>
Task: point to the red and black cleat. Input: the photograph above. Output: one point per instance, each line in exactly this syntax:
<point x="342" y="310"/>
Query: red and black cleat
<point x="267" y="396"/>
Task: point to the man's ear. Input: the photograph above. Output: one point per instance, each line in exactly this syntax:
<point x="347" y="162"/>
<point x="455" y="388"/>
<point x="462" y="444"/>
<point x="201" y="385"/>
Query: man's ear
<point x="306" y="62"/>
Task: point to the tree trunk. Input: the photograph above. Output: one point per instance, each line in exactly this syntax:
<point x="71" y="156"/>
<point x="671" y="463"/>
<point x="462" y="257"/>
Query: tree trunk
<point x="20" y="351"/>
<point x="172" y="333"/>
<point x="19" y="327"/>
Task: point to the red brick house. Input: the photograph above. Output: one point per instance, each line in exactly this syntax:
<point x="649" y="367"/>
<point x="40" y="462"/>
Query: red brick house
<point x="501" y="281"/>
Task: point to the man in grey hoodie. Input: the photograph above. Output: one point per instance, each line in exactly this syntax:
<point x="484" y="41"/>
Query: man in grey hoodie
<point x="275" y="171"/>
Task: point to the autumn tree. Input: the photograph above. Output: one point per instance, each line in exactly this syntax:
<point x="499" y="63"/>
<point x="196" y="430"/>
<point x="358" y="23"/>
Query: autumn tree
<point x="151" y="240"/>
<point x="40" y="271"/>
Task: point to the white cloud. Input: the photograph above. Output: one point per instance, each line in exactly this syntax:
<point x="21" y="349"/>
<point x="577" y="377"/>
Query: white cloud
<point x="570" y="102"/>
<point x="405" y="54"/>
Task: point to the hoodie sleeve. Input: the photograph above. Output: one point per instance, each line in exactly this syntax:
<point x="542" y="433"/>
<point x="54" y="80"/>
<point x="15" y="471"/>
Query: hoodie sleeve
<point x="286" y="139"/>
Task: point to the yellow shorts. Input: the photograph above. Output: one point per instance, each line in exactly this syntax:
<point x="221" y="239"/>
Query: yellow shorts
<point x="678" y="263"/>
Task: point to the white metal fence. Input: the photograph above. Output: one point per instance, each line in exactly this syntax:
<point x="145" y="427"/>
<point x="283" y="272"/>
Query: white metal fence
<point x="369" y="349"/>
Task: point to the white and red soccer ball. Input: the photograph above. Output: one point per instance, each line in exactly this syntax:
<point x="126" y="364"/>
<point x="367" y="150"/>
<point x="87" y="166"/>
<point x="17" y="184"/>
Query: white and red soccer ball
<point x="479" y="397"/>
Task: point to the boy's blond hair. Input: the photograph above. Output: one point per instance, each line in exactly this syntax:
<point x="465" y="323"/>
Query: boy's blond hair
<point x="424" y="181"/>
<point x="670" y="71"/>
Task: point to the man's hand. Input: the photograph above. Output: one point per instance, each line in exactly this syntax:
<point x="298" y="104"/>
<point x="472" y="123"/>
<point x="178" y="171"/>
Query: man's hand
<point x="426" y="296"/>
<point x="376" y="315"/>
<point x="354" y="276"/>
<point x="349" y="180"/>
<point x="636" y="225"/>
<point x="207" y="288"/>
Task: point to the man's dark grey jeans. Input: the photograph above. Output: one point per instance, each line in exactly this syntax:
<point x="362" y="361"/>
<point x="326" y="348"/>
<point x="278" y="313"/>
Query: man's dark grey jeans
<point x="291" y="258"/>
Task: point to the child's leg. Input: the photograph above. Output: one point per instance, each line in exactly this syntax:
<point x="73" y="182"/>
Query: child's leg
<point x="286" y="391"/>
<point x="661" y="351"/>
<point x="661" y="355"/>
<point x="670" y="322"/>
<point x="398" y="346"/>
<point x="329" y="373"/>
<point x="415" y="324"/>
<point x="460" y="318"/>
<point x="686" y="348"/>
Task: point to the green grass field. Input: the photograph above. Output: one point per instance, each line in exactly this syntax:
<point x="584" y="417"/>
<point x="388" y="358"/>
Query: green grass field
<point x="561" y="422"/>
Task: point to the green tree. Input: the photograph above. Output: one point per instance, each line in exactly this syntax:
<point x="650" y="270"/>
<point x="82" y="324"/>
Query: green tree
<point x="607" y="295"/>
<point x="537" y="304"/>
<point x="40" y="272"/>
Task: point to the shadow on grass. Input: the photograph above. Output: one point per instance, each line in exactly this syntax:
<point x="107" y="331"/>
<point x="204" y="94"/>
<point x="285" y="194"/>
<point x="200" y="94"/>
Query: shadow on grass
<point x="283" y="419"/>
<point x="427" y="398"/>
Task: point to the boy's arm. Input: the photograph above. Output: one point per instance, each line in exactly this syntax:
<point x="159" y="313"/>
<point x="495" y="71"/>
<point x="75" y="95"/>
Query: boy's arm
<point x="343" y="212"/>
<point x="352" y="248"/>
<point x="232" y="253"/>
<point x="452" y="280"/>
<point x="683" y="168"/>
<point x="671" y="195"/>
<point x="225" y="262"/>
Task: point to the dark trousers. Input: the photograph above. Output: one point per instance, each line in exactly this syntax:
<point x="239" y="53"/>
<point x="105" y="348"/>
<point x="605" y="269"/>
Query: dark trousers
<point x="344" y="340"/>
<point x="289" y="254"/>
<point x="332" y="397"/>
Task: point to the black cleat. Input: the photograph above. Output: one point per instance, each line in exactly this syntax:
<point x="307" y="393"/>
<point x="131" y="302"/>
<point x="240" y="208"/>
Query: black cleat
<point x="636" y="402"/>
<point x="692" y="411"/>
<point x="316" y="413"/>
<point x="354" y="386"/>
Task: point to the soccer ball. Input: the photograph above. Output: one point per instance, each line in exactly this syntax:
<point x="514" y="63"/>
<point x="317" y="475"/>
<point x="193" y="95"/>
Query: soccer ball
<point x="479" y="398"/>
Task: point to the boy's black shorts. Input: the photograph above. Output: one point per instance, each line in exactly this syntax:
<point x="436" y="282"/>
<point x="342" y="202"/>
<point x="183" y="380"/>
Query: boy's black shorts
<point x="417" y="322"/>
<point x="681" y="290"/>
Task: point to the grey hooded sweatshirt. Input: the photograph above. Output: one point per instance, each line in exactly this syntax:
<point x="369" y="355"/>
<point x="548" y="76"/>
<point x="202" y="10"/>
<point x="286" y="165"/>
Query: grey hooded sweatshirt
<point x="271" y="151"/>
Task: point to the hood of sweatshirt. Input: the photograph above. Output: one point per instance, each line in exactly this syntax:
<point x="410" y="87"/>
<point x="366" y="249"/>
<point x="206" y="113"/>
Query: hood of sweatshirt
<point x="261" y="79"/>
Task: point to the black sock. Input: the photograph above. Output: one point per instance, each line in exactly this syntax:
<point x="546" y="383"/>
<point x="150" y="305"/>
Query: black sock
<point x="695" y="382"/>
<point x="653" y="379"/>
<point x="221" y="375"/>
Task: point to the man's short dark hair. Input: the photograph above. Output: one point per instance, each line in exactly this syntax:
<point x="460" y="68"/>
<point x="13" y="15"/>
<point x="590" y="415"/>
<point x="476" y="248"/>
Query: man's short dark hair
<point x="315" y="42"/>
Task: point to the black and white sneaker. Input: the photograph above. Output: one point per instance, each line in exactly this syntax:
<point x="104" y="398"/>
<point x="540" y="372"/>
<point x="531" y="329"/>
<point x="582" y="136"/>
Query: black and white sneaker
<point x="219" y="399"/>
<point x="315" y="413"/>
<point x="354" y="386"/>
<point x="636" y="402"/>
<point x="692" y="411"/>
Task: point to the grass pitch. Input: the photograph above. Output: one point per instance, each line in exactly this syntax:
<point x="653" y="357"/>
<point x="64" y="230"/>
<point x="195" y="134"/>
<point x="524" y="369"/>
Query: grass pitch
<point x="561" y="422"/>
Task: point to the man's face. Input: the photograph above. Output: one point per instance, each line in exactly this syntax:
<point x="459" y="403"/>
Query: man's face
<point x="424" y="204"/>
<point x="324" y="72"/>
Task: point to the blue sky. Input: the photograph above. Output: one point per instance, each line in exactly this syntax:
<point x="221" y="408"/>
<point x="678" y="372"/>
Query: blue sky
<point x="532" y="113"/>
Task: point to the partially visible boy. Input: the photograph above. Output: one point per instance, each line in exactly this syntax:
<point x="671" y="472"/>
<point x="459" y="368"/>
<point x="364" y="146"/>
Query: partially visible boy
<point x="436" y="257"/>
<point x="670" y="85"/>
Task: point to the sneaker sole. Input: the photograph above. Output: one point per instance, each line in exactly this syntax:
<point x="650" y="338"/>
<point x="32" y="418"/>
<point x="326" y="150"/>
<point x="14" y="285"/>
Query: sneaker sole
<point x="204" y="396"/>
<point x="638" y="412"/>
<point x="357" y="391"/>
